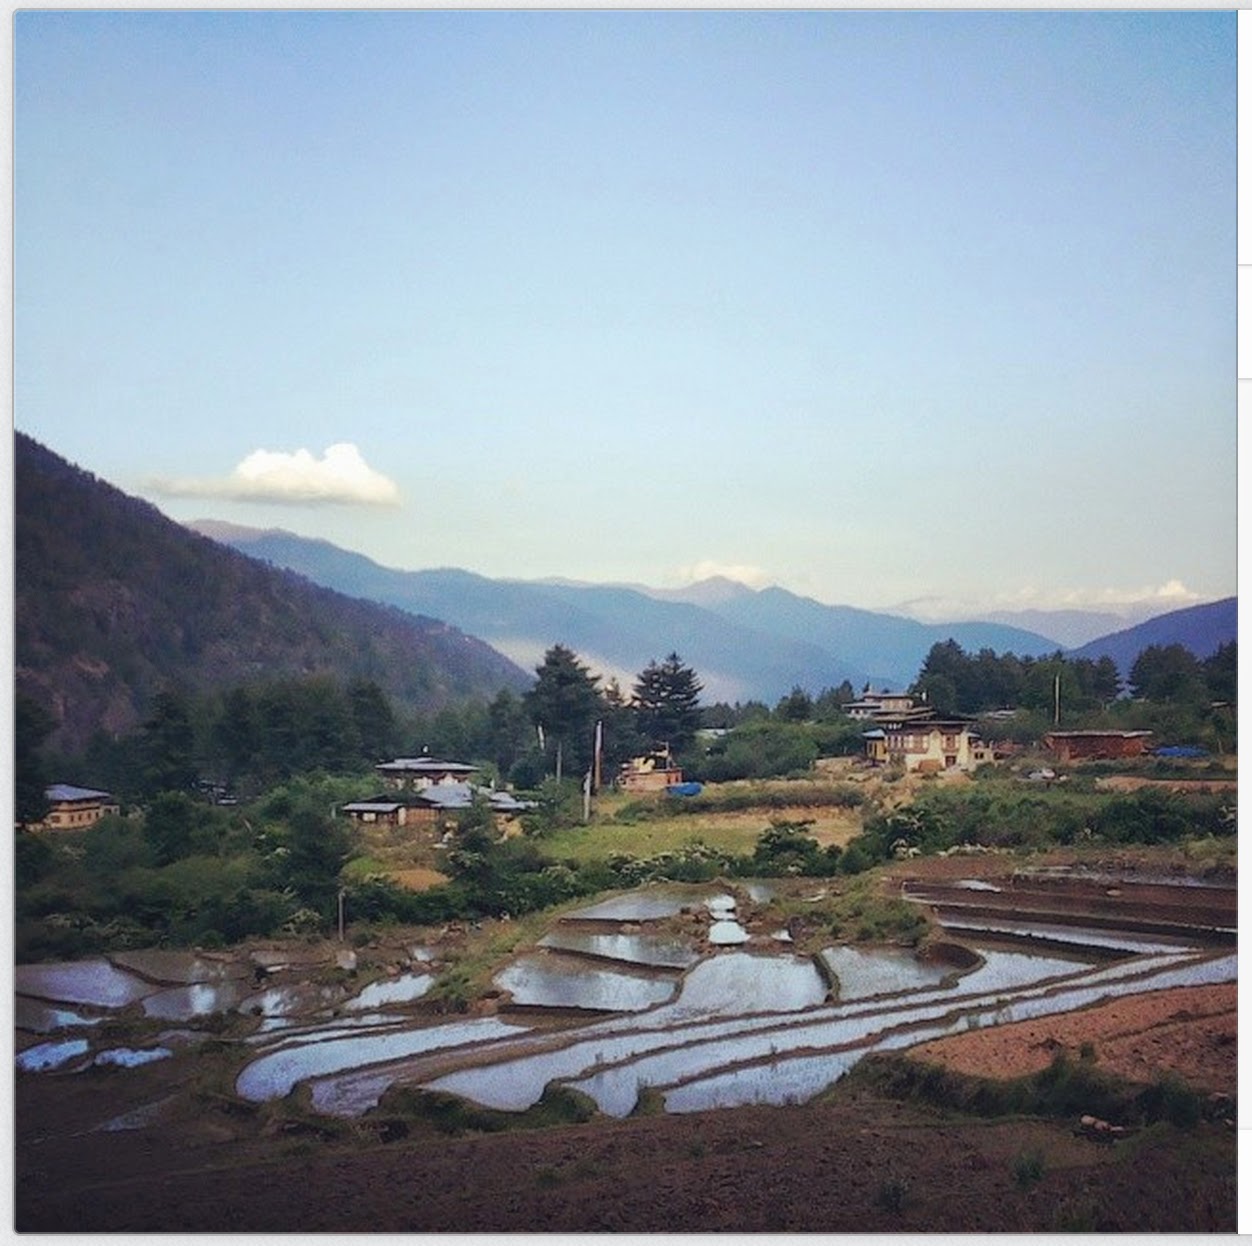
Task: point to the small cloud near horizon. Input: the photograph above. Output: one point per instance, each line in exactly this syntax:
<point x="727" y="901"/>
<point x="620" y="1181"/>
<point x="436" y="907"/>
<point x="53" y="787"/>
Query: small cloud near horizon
<point x="1173" y="595"/>
<point x="709" y="569"/>
<point x="340" y="476"/>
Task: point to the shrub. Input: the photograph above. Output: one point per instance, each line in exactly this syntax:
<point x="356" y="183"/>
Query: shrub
<point x="1027" y="1169"/>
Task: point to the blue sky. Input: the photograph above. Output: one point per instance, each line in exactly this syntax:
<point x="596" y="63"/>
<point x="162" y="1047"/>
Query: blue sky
<point x="882" y="307"/>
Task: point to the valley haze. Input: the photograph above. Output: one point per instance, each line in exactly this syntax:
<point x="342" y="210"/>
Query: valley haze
<point x="746" y="643"/>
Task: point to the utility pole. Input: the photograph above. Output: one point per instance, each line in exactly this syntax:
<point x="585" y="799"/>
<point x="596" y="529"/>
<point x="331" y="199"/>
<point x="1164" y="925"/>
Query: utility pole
<point x="597" y="776"/>
<point x="1056" y="696"/>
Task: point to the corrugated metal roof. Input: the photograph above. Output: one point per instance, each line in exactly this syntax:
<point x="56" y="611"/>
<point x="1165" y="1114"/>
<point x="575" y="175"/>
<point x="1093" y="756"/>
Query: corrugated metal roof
<point x="67" y="791"/>
<point x="427" y="765"/>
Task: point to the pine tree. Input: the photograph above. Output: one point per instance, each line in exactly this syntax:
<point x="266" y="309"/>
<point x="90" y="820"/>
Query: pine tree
<point x="667" y="703"/>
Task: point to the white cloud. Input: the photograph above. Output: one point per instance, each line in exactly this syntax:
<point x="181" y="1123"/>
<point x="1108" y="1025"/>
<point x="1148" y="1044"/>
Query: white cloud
<point x="708" y="568"/>
<point x="1129" y="602"/>
<point x="341" y="475"/>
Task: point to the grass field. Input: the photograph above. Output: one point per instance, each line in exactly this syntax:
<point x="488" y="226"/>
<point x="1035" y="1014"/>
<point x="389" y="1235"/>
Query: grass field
<point x="735" y="832"/>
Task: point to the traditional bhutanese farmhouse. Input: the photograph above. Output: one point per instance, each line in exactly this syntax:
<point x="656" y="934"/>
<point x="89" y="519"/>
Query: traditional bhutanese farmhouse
<point x="1097" y="745"/>
<point x="414" y="773"/>
<point x="378" y="811"/>
<point x="431" y="805"/>
<point x="74" y="808"/>
<point x="926" y="742"/>
<point x="878" y="704"/>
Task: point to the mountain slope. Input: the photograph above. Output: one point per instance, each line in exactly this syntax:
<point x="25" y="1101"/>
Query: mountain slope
<point x="743" y="643"/>
<point x="113" y="600"/>
<point x="890" y="648"/>
<point x="1201" y="629"/>
<point x="616" y="630"/>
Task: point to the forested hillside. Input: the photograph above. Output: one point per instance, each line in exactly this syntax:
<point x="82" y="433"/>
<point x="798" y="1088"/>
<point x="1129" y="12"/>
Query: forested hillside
<point x="114" y="601"/>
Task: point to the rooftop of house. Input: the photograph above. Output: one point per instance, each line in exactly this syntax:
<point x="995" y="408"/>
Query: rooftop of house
<point x="60" y="792"/>
<point x="1094" y="734"/>
<point x="426" y="765"/>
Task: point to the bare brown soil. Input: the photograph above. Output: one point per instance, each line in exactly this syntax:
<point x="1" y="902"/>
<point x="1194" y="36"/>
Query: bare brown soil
<point x="853" y="1164"/>
<point x="1190" y="1031"/>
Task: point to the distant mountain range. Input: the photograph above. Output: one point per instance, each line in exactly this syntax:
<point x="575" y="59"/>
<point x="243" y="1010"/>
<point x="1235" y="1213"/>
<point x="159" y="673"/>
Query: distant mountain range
<point x="1201" y="629"/>
<point x="744" y="644"/>
<point x="114" y="601"/>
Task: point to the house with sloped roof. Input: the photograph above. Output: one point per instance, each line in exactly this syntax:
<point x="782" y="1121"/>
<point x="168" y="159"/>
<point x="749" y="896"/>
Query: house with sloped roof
<point x="377" y="811"/>
<point x="431" y="804"/>
<point x="926" y="742"/>
<point x="1097" y="745"/>
<point x="879" y="704"/>
<point x="73" y="808"/>
<point x="415" y="773"/>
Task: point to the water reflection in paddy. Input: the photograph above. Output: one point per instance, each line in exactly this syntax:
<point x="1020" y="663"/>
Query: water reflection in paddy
<point x="45" y="1056"/>
<point x="93" y="981"/>
<point x="662" y="951"/>
<point x="401" y="990"/>
<point x="737" y="983"/>
<point x="163" y="965"/>
<point x="285" y="1001"/>
<point x="1077" y="935"/>
<point x="40" y="1018"/>
<point x="611" y="1062"/>
<point x="201" y="999"/>
<point x="862" y="972"/>
<point x="648" y="904"/>
<point x="128" y="1058"/>
<point x="550" y="980"/>
<point x="273" y="1075"/>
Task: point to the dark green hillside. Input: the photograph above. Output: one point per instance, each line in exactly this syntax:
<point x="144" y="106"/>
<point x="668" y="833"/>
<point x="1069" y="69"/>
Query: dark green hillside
<point x="113" y="601"/>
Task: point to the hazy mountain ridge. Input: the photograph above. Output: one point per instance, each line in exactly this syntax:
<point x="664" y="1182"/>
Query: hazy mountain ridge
<point x="1201" y="629"/>
<point x="620" y="627"/>
<point x="745" y="644"/>
<point x="113" y="601"/>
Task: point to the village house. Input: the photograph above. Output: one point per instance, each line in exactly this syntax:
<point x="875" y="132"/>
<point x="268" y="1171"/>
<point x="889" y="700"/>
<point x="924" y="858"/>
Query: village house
<point x="878" y="704"/>
<point x="378" y="811"/>
<point x="415" y="773"/>
<point x="74" y="808"/>
<point x="651" y="773"/>
<point x="926" y="742"/>
<point x="433" y="804"/>
<point x="1097" y="745"/>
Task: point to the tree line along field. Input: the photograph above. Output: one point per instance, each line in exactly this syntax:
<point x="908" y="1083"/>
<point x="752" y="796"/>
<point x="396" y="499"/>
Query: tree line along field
<point x="179" y="868"/>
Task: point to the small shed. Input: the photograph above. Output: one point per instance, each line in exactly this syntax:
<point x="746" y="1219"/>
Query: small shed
<point x="377" y="812"/>
<point x="1097" y="745"/>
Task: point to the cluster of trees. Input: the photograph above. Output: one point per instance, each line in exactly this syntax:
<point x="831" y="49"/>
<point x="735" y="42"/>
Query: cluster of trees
<point x="243" y="740"/>
<point x="956" y="682"/>
<point x="251" y="737"/>
<point x="183" y="871"/>
<point x="943" y="819"/>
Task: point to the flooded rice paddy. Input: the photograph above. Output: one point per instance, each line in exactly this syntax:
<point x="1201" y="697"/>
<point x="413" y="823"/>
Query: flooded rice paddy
<point x="683" y="992"/>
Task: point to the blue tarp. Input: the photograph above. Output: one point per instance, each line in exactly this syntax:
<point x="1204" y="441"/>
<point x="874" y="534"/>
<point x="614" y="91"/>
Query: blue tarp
<point x="684" y="789"/>
<point x="1180" y="750"/>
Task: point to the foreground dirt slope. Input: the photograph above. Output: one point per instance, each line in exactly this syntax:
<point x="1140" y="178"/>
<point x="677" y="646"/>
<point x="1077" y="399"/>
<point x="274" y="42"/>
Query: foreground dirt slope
<point x="854" y="1166"/>
<point x="1191" y="1031"/>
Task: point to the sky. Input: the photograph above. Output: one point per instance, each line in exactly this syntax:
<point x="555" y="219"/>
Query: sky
<point x="933" y="308"/>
